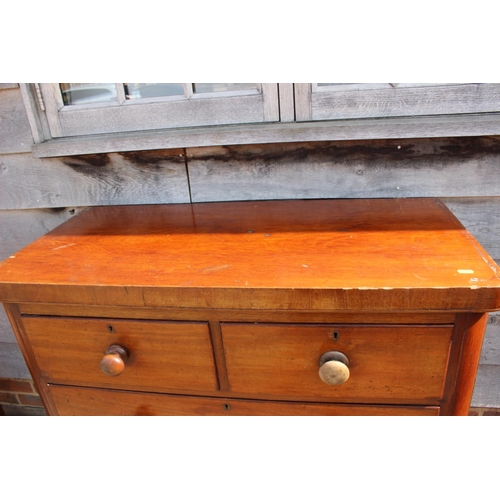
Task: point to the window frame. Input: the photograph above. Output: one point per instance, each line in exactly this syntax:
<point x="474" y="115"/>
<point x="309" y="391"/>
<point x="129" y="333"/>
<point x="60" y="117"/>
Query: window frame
<point x="294" y="123"/>
<point x="172" y="112"/>
<point x="365" y="101"/>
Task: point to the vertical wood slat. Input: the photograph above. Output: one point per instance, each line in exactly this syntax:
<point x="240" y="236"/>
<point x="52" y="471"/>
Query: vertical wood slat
<point x="303" y="108"/>
<point x="271" y="103"/>
<point x="287" y="102"/>
<point x="39" y="132"/>
<point x="459" y="331"/>
<point x="15" y="129"/>
<point x="53" y="103"/>
<point x="468" y="364"/>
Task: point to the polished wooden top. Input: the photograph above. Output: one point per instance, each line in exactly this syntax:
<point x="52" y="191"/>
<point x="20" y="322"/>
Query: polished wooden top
<point x="371" y="254"/>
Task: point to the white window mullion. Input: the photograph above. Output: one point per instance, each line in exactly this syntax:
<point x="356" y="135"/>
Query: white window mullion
<point x="120" y="93"/>
<point x="188" y="90"/>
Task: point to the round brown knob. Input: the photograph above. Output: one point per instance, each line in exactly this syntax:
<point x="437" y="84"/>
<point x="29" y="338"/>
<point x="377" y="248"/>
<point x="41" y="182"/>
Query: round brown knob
<point x="333" y="368"/>
<point x="113" y="362"/>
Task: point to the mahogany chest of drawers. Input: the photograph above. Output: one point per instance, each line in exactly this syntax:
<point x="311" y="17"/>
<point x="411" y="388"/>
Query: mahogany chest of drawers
<point x="317" y="307"/>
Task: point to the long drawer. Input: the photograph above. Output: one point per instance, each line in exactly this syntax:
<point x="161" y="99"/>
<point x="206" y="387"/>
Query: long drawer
<point x="162" y="355"/>
<point x="86" y="401"/>
<point x="386" y="363"/>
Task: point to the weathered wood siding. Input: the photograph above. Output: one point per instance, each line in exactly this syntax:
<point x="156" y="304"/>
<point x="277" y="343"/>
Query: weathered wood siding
<point x="106" y="179"/>
<point x="12" y="363"/>
<point x="15" y="133"/>
<point x="39" y="194"/>
<point x="351" y="169"/>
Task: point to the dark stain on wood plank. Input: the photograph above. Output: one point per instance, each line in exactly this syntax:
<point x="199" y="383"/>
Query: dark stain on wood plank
<point x="105" y="167"/>
<point x="471" y="147"/>
<point x="452" y="149"/>
<point x="153" y="158"/>
<point x="90" y="165"/>
<point x="263" y="156"/>
<point x="95" y="160"/>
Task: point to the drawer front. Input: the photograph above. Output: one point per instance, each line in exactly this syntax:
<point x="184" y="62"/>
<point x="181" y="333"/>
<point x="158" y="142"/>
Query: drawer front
<point x="386" y="363"/>
<point x="85" y="401"/>
<point x="162" y="355"/>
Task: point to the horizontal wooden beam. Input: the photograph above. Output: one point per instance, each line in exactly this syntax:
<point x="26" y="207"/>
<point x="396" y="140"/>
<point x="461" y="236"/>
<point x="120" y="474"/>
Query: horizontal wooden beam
<point x="400" y="168"/>
<point x="339" y="130"/>
<point x="147" y="177"/>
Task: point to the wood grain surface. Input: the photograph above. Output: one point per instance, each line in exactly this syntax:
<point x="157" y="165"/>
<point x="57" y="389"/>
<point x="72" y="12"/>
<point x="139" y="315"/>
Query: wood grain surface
<point x="385" y="363"/>
<point x="365" y="255"/>
<point x="231" y="315"/>
<point x="468" y="364"/>
<point x="346" y="169"/>
<point x="219" y="109"/>
<point x="162" y="355"/>
<point x="80" y="401"/>
<point x="115" y="179"/>
<point x="405" y="101"/>
<point x="275" y="133"/>
<point x="15" y="132"/>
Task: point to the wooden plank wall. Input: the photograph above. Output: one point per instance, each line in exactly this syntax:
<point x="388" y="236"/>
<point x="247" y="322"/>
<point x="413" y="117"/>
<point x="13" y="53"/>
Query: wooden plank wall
<point x="38" y="194"/>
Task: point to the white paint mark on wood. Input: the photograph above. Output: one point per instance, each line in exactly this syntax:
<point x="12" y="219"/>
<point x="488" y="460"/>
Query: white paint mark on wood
<point x="63" y="246"/>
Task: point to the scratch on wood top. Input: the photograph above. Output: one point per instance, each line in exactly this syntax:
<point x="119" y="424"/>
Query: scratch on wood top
<point x="215" y="268"/>
<point x="64" y="246"/>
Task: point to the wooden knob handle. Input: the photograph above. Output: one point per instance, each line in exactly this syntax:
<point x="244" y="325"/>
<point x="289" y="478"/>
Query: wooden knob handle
<point x="334" y="368"/>
<point x="113" y="362"/>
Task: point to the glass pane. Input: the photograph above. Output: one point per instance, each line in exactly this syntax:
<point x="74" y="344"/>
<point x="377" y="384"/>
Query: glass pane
<point x="222" y="87"/>
<point x="84" y="93"/>
<point x="142" y="90"/>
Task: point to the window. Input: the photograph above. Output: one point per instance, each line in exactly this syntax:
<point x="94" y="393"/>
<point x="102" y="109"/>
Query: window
<point x="88" y="118"/>
<point x="76" y="109"/>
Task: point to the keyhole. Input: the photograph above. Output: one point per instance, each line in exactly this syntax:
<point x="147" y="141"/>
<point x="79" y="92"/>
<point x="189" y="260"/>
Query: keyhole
<point x="335" y="335"/>
<point x="111" y="329"/>
<point x="226" y="407"/>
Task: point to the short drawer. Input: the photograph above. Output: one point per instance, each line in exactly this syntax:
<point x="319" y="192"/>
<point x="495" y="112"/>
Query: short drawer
<point x="84" y="401"/>
<point x="386" y="363"/>
<point x="162" y="355"/>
